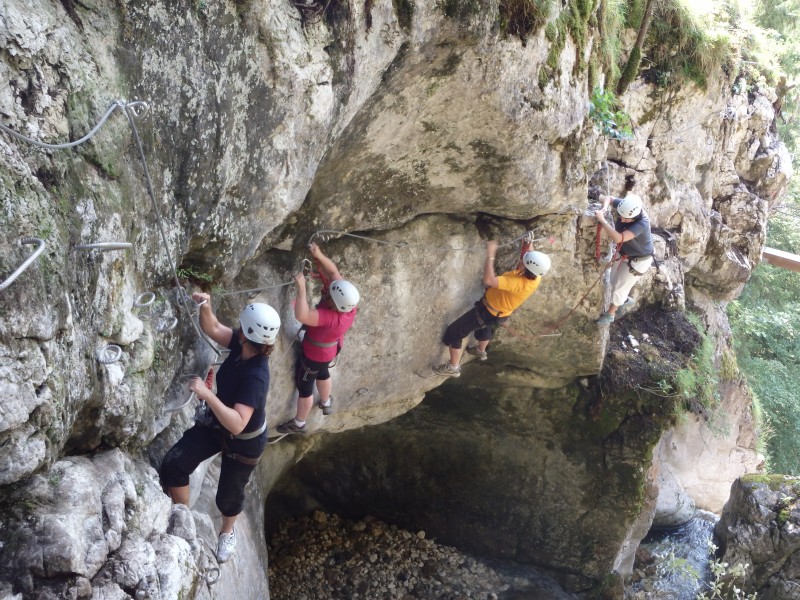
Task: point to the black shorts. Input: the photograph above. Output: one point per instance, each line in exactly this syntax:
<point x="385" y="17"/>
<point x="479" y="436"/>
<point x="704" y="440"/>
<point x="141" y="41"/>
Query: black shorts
<point x="479" y="320"/>
<point x="308" y="371"/>
<point x="200" y="443"/>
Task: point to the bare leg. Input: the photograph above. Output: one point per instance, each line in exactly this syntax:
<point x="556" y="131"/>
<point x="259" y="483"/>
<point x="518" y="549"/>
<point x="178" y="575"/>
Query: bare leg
<point x="612" y="309"/>
<point x="324" y="388"/>
<point x="455" y="356"/>
<point x="227" y="524"/>
<point x="304" y="405"/>
<point x="483" y="345"/>
<point x="179" y="495"/>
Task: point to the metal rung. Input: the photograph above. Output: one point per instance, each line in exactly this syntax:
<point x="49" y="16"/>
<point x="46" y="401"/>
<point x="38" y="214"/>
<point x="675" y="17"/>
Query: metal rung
<point x="176" y="409"/>
<point x="165" y="325"/>
<point x="27" y="262"/>
<point x="212" y="576"/>
<point x="108" y="354"/>
<point x="144" y="300"/>
<point x="105" y="246"/>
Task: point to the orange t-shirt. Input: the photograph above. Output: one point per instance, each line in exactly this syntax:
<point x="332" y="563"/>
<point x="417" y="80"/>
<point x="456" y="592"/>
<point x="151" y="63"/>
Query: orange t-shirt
<point x="513" y="288"/>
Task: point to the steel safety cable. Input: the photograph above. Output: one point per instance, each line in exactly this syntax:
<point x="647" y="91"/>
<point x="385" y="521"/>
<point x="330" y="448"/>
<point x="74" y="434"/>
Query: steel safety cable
<point x="85" y="138"/>
<point x="149" y="184"/>
<point x="403" y="244"/>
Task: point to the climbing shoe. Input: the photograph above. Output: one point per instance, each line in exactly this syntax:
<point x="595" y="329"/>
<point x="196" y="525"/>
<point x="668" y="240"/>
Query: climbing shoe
<point x="605" y="319"/>
<point x="628" y="302"/>
<point x="475" y="351"/>
<point x="290" y="427"/>
<point x="447" y="370"/>
<point x="326" y="410"/>
<point x="226" y="545"/>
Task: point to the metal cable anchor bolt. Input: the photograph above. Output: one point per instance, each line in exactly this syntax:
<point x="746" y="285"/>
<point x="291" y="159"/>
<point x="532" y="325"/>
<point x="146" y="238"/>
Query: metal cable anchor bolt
<point x="144" y="302"/>
<point x="108" y="354"/>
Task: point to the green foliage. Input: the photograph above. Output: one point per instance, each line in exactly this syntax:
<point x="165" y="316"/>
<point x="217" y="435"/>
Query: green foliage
<point x="775" y="384"/>
<point x="778" y="48"/>
<point x="190" y="272"/>
<point x="766" y="325"/>
<point x="607" y="116"/>
<point x="724" y="576"/>
<point x="634" y="13"/>
<point x="607" y="48"/>
<point x="523" y="17"/>
<point x="698" y="383"/>
<point x="684" y="44"/>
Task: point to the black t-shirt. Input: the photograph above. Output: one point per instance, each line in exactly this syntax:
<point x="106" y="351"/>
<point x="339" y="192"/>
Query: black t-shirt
<point x="244" y="382"/>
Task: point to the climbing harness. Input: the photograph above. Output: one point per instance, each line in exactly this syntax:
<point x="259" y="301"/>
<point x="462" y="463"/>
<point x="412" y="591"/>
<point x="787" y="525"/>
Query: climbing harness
<point x="250" y="434"/>
<point x="28" y="261"/>
<point x="108" y="354"/>
<point x="105" y="246"/>
<point x="245" y="460"/>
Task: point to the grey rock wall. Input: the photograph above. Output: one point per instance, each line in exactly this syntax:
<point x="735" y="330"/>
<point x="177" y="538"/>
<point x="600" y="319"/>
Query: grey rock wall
<point x="758" y="531"/>
<point x="421" y="131"/>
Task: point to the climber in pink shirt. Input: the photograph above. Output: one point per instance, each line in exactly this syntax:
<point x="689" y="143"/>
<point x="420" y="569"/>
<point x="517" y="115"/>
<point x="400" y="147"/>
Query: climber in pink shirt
<point x="325" y="328"/>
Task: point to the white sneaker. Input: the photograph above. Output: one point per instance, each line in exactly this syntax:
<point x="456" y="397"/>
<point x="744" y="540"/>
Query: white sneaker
<point x="447" y="370"/>
<point x="226" y="545"/>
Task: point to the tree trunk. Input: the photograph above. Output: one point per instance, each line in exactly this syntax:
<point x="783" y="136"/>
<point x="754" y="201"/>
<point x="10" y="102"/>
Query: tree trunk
<point x="632" y="66"/>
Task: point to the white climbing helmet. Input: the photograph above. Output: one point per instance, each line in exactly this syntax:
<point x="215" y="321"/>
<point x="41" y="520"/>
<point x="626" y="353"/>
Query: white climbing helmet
<point x="344" y="294"/>
<point x="536" y="262"/>
<point x="630" y="206"/>
<point x="260" y="323"/>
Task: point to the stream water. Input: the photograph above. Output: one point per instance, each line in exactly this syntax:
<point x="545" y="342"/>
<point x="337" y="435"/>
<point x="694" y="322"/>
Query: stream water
<point x="678" y="560"/>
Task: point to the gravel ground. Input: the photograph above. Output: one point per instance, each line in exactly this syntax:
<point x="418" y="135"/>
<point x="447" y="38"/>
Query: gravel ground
<point x="325" y="557"/>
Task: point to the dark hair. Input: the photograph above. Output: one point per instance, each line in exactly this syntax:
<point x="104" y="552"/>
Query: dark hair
<point x="528" y="274"/>
<point x="261" y="349"/>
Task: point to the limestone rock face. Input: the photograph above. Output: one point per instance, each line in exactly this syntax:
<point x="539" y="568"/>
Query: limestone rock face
<point x="423" y="134"/>
<point x="759" y="528"/>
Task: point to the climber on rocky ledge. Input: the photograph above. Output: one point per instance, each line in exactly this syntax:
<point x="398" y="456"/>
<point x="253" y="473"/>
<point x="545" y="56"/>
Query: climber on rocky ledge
<point x="504" y="294"/>
<point x="325" y="327"/>
<point x="234" y="421"/>
<point x="631" y="233"/>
